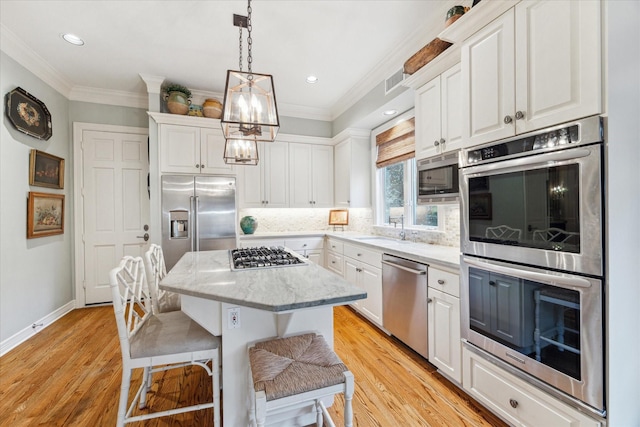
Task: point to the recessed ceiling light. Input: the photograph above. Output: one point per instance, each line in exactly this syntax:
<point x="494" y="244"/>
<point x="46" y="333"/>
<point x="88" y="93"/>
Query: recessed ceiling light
<point x="73" y="39"/>
<point x="312" y="79"/>
<point x="390" y="112"/>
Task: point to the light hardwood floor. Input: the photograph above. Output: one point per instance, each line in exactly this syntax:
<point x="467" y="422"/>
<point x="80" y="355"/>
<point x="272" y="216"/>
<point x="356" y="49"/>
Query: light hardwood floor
<point x="69" y="375"/>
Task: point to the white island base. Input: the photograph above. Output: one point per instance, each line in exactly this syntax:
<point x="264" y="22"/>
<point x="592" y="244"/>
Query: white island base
<point x="255" y="325"/>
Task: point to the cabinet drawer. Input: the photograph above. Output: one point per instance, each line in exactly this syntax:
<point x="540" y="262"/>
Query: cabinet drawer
<point x="514" y="400"/>
<point x="304" y="244"/>
<point x="444" y="281"/>
<point x="334" y="262"/>
<point x="335" y="245"/>
<point x="363" y="254"/>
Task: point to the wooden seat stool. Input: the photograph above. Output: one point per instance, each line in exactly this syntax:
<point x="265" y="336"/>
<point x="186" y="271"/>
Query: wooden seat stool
<point x="293" y="370"/>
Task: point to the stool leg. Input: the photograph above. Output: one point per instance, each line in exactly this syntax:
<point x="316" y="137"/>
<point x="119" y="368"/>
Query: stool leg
<point x="319" y="421"/>
<point x="349" y="387"/>
<point x="261" y="408"/>
<point x="215" y="368"/>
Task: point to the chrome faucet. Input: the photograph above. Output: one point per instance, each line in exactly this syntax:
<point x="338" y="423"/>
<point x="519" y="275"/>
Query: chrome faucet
<point x="403" y="234"/>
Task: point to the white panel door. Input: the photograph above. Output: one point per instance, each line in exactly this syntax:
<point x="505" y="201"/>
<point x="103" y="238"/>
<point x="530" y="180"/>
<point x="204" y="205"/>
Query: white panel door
<point x="445" y="347"/>
<point x="251" y="182"/>
<point x="212" y="152"/>
<point x="428" y="120"/>
<point x="451" y="104"/>
<point x="179" y="149"/>
<point x="558" y="67"/>
<point x="488" y="74"/>
<point x="300" y="166"/>
<point x="342" y="174"/>
<point x="115" y="205"/>
<point x="276" y="174"/>
<point x="322" y="176"/>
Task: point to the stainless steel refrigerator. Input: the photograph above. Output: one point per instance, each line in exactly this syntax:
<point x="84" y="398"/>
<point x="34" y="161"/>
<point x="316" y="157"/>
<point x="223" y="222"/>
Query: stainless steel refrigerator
<point x="198" y="214"/>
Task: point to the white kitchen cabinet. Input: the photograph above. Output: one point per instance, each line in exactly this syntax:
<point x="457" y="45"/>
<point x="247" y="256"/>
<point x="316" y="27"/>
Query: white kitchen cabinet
<point x="311" y="248"/>
<point x="438" y="111"/>
<point x="445" y="347"/>
<point x="363" y="268"/>
<point x="352" y="172"/>
<point x="193" y="150"/>
<point x="535" y="66"/>
<point x="266" y="185"/>
<point x="310" y="175"/>
<point x="334" y="256"/>
<point x="513" y="399"/>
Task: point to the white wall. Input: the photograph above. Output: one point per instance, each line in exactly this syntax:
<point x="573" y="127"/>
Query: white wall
<point x="623" y="214"/>
<point x="35" y="274"/>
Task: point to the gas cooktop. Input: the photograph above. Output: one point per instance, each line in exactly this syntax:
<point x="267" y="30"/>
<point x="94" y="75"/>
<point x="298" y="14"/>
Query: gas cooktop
<point x="264" y="257"/>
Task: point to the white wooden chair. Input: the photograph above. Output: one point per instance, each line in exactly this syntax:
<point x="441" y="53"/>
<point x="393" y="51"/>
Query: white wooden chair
<point x="503" y="232"/>
<point x="287" y="372"/>
<point x="163" y="301"/>
<point x="157" y="342"/>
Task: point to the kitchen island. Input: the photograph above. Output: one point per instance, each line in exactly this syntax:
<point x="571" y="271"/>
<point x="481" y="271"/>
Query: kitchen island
<point x="244" y="306"/>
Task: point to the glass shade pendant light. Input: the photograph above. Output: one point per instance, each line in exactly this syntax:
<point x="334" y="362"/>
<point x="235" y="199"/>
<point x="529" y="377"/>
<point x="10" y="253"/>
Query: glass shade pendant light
<point x="249" y="109"/>
<point x="241" y="151"/>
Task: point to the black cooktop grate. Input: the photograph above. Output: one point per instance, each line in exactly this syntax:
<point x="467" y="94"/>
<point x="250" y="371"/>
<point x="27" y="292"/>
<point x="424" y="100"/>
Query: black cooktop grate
<point x="263" y="257"/>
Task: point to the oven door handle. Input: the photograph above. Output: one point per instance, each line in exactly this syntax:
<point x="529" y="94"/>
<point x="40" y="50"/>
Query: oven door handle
<point x="539" y="160"/>
<point x="563" y="280"/>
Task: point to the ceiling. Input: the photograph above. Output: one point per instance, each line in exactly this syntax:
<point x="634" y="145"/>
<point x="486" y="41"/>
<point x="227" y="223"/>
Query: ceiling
<point x="351" y="46"/>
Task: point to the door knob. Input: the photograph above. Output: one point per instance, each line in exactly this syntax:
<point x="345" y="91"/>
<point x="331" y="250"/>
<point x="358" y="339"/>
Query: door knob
<point x="507" y="119"/>
<point x="519" y="115"/>
<point x="513" y="403"/>
<point x="145" y="237"/>
<point x="429" y="300"/>
<point x="436" y="143"/>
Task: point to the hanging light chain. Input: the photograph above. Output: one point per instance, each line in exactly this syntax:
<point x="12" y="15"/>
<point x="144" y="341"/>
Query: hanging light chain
<point x="249" y="40"/>
<point x="240" y="60"/>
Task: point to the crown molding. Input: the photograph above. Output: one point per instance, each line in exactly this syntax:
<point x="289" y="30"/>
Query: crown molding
<point x="154" y="83"/>
<point x="13" y="46"/>
<point x="301" y="112"/>
<point x="350" y="133"/>
<point x="109" y="97"/>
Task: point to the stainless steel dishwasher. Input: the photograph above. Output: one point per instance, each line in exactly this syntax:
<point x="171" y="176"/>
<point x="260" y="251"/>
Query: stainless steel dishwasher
<point x="404" y="301"/>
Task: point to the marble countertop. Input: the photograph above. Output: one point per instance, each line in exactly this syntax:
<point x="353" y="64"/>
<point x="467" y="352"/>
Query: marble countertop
<point x="208" y="275"/>
<point x="439" y="256"/>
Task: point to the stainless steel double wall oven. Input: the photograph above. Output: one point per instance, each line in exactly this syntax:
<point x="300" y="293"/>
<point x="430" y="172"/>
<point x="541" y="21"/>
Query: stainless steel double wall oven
<point x="532" y="264"/>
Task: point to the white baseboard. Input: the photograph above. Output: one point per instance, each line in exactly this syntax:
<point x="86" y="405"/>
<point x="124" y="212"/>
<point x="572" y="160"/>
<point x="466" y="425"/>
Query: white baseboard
<point x="23" y="335"/>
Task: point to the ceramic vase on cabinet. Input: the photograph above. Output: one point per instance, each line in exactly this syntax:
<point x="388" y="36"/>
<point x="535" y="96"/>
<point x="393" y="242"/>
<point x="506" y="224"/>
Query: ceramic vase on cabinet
<point x="177" y="102"/>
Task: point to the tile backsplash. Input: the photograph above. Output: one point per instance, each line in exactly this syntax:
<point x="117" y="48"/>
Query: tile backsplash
<point x="360" y="221"/>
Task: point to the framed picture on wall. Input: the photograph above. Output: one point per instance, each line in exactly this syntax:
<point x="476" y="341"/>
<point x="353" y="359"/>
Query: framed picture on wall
<point x="46" y="170"/>
<point x="45" y="214"/>
<point x="28" y="114"/>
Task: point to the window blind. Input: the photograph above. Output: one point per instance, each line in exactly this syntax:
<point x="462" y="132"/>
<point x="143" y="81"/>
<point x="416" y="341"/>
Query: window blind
<point x="396" y="144"/>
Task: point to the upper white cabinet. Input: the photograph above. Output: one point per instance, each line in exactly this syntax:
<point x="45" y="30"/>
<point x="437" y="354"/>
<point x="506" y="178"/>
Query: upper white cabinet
<point x="311" y="175"/>
<point x="266" y="185"/>
<point x="192" y="149"/>
<point x="535" y="66"/>
<point x="438" y="111"/>
<point x="352" y="184"/>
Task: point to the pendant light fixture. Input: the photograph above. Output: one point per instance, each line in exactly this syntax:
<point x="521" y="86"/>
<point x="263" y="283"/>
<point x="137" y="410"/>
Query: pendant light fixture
<point x="249" y="111"/>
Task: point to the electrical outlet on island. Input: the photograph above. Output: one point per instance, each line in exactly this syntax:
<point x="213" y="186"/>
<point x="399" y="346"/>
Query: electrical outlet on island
<point x="233" y="318"/>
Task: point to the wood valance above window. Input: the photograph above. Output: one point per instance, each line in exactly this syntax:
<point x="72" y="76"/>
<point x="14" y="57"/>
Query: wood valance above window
<point x="396" y="144"/>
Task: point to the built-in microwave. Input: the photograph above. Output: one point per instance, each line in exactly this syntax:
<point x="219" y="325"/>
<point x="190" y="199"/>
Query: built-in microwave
<point x="438" y="179"/>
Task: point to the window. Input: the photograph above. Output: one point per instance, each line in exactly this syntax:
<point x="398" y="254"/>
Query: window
<point x="396" y="178"/>
<point x="397" y="196"/>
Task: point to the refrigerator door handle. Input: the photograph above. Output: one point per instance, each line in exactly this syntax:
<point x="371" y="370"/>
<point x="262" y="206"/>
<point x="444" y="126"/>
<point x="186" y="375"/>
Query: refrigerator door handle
<point x="192" y="230"/>
<point x="196" y="235"/>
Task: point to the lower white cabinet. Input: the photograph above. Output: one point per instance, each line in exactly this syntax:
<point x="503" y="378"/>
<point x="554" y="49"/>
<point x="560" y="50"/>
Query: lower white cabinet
<point x="444" y="333"/>
<point x="333" y="256"/>
<point x="443" y="313"/>
<point x="514" y="400"/>
<point x="309" y="247"/>
<point x="363" y="268"/>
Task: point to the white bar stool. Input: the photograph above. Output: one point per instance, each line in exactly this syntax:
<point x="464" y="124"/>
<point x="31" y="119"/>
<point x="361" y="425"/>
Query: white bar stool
<point x="290" y="371"/>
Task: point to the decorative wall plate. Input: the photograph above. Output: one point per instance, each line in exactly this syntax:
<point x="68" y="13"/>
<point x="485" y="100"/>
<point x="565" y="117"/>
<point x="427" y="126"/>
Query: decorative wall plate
<point x="28" y="114"/>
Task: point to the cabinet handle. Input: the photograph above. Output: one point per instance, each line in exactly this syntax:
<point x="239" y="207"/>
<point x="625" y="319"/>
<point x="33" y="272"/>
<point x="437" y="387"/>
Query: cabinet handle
<point x="436" y="143"/>
<point x="519" y="115"/>
<point x="359" y="254"/>
<point x="201" y="166"/>
<point x="359" y="270"/>
<point x="429" y="300"/>
<point x="440" y="282"/>
<point x="507" y="119"/>
<point x="513" y="403"/>
<point x="442" y="141"/>
<point x="197" y="166"/>
<point x="492" y="282"/>
<point x="304" y="246"/>
<point x="333" y="262"/>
